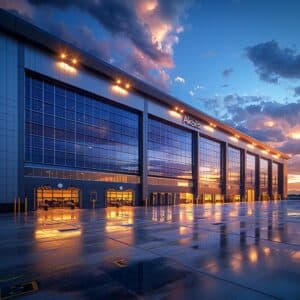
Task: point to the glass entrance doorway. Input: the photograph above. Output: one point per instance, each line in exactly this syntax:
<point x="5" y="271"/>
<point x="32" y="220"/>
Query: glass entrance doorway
<point x="55" y="197"/>
<point x="157" y="198"/>
<point x="250" y="194"/>
<point x="119" y="198"/>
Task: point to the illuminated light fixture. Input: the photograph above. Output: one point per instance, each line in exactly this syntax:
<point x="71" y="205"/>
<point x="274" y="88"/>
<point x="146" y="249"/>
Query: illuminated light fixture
<point x="264" y="152"/>
<point x="181" y="111"/>
<point x="127" y="86"/>
<point x="66" y="67"/>
<point x="212" y="125"/>
<point x="276" y="156"/>
<point x="175" y="114"/>
<point x="251" y="146"/>
<point x="74" y="61"/>
<point x="63" y="56"/>
<point x="119" y="90"/>
<point x="118" y="81"/>
<point x="234" y="139"/>
<point x="208" y="128"/>
<point x="176" y="108"/>
<point x="182" y="183"/>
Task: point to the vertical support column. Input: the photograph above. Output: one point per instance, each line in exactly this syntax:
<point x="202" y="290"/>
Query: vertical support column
<point x="270" y="172"/>
<point x="144" y="155"/>
<point x="283" y="180"/>
<point x="224" y="168"/>
<point x="257" y="177"/>
<point x="243" y="175"/>
<point x="21" y="123"/>
<point x="195" y="155"/>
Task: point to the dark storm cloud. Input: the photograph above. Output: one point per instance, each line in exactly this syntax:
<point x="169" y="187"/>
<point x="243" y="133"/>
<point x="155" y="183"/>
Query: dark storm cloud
<point x="273" y="62"/>
<point x="227" y="72"/>
<point x="120" y="18"/>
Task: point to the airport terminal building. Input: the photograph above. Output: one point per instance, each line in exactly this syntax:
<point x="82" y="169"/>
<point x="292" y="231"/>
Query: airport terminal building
<point x="75" y="129"/>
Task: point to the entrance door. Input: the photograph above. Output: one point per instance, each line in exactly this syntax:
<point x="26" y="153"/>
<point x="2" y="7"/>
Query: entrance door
<point x="250" y="195"/>
<point x="119" y="198"/>
<point x="50" y="197"/>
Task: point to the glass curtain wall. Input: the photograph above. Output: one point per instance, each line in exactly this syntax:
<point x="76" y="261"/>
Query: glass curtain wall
<point x="66" y="128"/>
<point x="210" y="174"/>
<point x="263" y="172"/>
<point x="234" y="174"/>
<point x="169" y="151"/>
<point x="250" y="177"/>
<point x="275" y="192"/>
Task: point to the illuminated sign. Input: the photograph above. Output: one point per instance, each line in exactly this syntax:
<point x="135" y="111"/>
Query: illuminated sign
<point x="191" y="122"/>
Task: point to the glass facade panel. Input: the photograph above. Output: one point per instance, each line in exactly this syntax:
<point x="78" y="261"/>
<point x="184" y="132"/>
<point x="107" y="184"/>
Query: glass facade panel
<point x="250" y="174"/>
<point x="169" y="151"/>
<point x="263" y="177"/>
<point x="250" y="170"/>
<point x="234" y="170"/>
<point x="209" y="163"/>
<point x="66" y="128"/>
<point x="275" y="180"/>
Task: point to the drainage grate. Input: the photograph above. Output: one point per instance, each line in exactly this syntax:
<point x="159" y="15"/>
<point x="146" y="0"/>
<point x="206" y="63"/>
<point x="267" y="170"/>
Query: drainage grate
<point x="18" y="290"/>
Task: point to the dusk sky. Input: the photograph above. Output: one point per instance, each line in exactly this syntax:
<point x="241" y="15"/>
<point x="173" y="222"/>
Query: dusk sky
<point x="236" y="60"/>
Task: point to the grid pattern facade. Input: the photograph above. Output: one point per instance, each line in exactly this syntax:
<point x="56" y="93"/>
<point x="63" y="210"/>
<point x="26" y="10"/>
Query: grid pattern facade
<point x="275" y="177"/>
<point x="250" y="170"/>
<point x="66" y="128"/>
<point x="263" y="175"/>
<point x="234" y="169"/>
<point x="209" y="163"/>
<point x="169" y="151"/>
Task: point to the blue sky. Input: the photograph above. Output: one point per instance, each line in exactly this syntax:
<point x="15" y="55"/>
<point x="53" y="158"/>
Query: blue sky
<point x="237" y="60"/>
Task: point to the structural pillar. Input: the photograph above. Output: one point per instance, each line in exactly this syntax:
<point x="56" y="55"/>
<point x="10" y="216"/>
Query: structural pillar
<point x="143" y="154"/>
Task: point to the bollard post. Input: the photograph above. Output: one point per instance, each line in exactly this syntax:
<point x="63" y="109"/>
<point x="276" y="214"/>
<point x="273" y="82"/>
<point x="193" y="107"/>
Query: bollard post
<point x="19" y="205"/>
<point x="15" y="205"/>
<point x="25" y="205"/>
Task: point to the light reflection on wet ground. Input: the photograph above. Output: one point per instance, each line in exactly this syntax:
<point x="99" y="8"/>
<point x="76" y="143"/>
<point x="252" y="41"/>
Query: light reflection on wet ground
<point x="230" y="251"/>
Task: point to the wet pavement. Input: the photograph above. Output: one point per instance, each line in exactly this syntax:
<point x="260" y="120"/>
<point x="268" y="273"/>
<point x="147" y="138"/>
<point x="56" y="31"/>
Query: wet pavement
<point x="229" y="251"/>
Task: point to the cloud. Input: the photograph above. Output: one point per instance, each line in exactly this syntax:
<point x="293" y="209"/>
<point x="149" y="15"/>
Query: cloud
<point x="180" y="79"/>
<point x="291" y="146"/>
<point x="297" y="91"/>
<point x="227" y="72"/>
<point x="272" y="62"/>
<point x="194" y="90"/>
<point x="147" y="29"/>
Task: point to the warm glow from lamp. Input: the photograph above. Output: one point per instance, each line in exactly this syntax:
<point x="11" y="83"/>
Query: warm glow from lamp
<point x="118" y="81"/>
<point x="66" y="68"/>
<point x="127" y="86"/>
<point x="234" y="139"/>
<point x="208" y="128"/>
<point x="264" y="152"/>
<point x="276" y="156"/>
<point x="63" y="56"/>
<point x="119" y="90"/>
<point x="74" y="61"/>
<point x="175" y="114"/>
<point x="250" y="146"/>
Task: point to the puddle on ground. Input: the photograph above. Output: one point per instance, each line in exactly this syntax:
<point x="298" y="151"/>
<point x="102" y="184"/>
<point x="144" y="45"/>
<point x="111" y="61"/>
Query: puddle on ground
<point x="149" y="275"/>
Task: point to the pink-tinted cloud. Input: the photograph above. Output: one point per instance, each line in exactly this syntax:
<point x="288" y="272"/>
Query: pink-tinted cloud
<point x="149" y="30"/>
